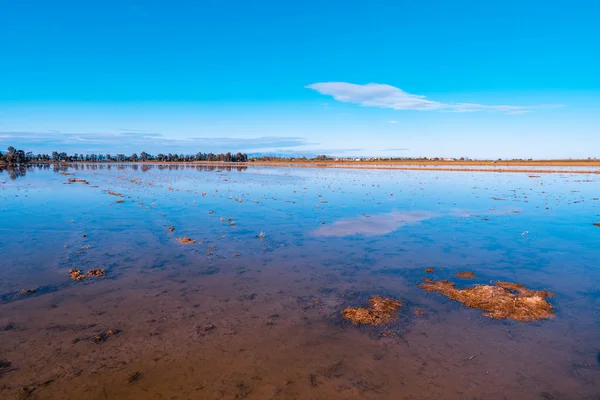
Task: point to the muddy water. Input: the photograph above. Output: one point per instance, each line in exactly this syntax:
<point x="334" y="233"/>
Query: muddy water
<point x="252" y="309"/>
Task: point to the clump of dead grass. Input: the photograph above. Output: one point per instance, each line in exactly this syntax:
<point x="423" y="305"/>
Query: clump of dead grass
<point x="465" y="275"/>
<point x="77" y="275"/>
<point x="420" y="312"/>
<point x="185" y="240"/>
<point x="381" y="311"/>
<point x="500" y="301"/>
<point x="103" y="336"/>
<point x="75" y="180"/>
<point x="429" y="270"/>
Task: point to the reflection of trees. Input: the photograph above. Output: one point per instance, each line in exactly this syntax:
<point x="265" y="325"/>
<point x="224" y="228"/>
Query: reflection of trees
<point x="57" y="168"/>
<point x="200" y="168"/>
<point x="14" y="171"/>
<point x="17" y="171"/>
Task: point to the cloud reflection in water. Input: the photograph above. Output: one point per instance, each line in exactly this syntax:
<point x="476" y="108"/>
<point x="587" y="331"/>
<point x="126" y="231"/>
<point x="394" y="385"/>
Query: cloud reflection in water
<point x="373" y="225"/>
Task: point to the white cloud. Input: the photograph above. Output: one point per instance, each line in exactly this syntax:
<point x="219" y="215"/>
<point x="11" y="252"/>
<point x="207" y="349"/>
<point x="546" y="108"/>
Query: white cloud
<point x="135" y="140"/>
<point x="387" y="96"/>
<point x="393" y="122"/>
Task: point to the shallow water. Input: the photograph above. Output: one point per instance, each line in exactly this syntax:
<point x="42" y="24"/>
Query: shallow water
<point x="541" y="168"/>
<point x="258" y="316"/>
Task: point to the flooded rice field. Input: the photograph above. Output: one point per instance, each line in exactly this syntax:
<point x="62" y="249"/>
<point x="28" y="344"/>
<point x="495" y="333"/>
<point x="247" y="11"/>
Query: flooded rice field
<point x="195" y="282"/>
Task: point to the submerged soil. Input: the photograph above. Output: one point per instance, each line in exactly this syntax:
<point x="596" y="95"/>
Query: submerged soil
<point x="501" y="301"/>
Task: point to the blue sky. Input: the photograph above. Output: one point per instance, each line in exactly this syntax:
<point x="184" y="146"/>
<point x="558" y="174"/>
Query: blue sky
<point x="401" y="78"/>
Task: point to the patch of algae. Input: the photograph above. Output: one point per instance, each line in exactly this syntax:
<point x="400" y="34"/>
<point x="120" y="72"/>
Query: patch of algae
<point x="381" y="311"/>
<point x="500" y="301"/>
<point x="185" y="240"/>
<point x="77" y="275"/>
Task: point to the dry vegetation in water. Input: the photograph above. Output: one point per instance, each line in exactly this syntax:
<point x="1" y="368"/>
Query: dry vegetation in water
<point x="465" y="275"/>
<point x="77" y="275"/>
<point x="100" y="337"/>
<point x="429" y="270"/>
<point x="185" y="240"/>
<point x="597" y="224"/>
<point x="501" y="301"/>
<point x="381" y="311"/>
<point x="419" y="312"/>
<point x="74" y="180"/>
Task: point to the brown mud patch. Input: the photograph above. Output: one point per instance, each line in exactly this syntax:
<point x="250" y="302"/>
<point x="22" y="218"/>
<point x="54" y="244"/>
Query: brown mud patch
<point x="5" y="366"/>
<point x="501" y="301"/>
<point x="185" y="240"/>
<point x="465" y="275"/>
<point x="77" y="275"/>
<point x="114" y="193"/>
<point x="597" y="224"/>
<point x="381" y="311"/>
<point x="429" y="270"/>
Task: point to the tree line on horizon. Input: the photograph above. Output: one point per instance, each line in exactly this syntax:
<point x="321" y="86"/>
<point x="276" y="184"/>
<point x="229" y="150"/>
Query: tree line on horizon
<point x="12" y="156"/>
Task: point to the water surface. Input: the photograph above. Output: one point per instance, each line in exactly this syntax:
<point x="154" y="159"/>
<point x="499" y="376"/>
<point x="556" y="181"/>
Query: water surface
<point x="252" y="309"/>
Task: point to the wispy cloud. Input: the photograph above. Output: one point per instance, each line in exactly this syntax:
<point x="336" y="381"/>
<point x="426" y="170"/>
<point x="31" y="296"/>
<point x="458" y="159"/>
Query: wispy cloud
<point x="394" y="149"/>
<point x="374" y="225"/>
<point x="387" y="96"/>
<point x="393" y="122"/>
<point x="305" y="153"/>
<point x="135" y="141"/>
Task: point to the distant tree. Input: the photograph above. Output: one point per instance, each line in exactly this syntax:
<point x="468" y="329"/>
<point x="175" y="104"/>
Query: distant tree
<point x="14" y="156"/>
